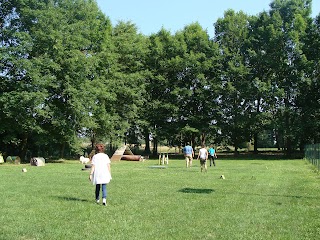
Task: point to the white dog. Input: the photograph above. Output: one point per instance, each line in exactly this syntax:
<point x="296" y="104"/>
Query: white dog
<point x="84" y="160"/>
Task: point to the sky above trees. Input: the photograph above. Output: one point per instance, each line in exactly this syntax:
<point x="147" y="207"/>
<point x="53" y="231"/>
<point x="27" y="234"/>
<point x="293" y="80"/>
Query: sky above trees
<point x="151" y="16"/>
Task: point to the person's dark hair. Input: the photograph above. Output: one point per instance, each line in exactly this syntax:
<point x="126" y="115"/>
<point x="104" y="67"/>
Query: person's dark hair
<point x="100" y="148"/>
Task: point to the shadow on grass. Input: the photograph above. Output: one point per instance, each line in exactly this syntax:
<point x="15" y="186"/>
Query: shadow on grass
<point x="72" y="199"/>
<point x="196" y="190"/>
<point x="279" y="195"/>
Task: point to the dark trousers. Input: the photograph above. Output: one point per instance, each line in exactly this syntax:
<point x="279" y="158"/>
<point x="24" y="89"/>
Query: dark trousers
<point x="211" y="158"/>
<point x="104" y="191"/>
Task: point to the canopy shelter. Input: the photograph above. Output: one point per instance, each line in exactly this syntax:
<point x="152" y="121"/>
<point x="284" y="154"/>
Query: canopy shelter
<point x="125" y="153"/>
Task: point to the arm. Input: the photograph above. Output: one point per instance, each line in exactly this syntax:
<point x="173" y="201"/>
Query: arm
<point x="91" y="173"/>
<point x="109" y="169"/>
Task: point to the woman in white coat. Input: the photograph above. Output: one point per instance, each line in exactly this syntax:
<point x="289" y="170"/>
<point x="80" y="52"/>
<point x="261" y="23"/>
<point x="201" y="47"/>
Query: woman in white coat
<point x="100" y="173"/>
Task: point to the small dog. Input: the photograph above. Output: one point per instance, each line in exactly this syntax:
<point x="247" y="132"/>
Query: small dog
<point x="84" y="160"/>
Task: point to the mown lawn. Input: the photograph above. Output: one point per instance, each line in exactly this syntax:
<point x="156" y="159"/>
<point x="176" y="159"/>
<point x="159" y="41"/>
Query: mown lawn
<point x="258" y="199"/>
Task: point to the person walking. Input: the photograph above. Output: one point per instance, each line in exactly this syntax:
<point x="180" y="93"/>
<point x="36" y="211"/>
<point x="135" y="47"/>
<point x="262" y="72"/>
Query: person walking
<point x="212" y="155"/>
<point x="203" y="156"/>
<point x="100" y="174"/>
<point x="188" y="155"/>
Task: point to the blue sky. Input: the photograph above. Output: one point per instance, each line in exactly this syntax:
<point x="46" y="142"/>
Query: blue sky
<point x="173" y="15"/>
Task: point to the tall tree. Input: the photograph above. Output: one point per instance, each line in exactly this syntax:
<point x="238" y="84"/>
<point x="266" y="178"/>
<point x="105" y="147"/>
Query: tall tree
<point x="196" y="86"/>
<point x="22" y="83"/>
<point x="308" y="99"/>
<point x="160" y="106"/>
<point x="260" y="47"/>
<point x="289" y="19"/>
<point x="128" y="74"/>
<point x="57" y="40"/>
<point x="183" y="84"/>
<point x="231" y="33"/>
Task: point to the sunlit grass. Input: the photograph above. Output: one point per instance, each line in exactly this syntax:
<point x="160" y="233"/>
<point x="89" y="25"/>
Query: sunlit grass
<point x="257" y="200"/>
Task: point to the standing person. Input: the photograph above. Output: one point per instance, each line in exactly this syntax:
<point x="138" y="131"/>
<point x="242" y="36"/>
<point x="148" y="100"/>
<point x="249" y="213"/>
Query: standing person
<point x="188" y="154"/>
<point x="100" y="173"/>
<point x="203" y="155"/>
<point x="212" y="155"/>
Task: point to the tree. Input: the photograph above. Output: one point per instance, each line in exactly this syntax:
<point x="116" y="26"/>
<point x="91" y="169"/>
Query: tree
<point x="309" y="89"/>
<point x="289" y="20"/>
<point x="260" y="47"/>
<point x="127" y="79"/>
<point x="196" y="87"/>
<point x="49" y="72"/>
<point x="22" y="84"/>
<point x="231" y="33"/>
<point x="183" y="84"/>
<point x="160" y="105"/>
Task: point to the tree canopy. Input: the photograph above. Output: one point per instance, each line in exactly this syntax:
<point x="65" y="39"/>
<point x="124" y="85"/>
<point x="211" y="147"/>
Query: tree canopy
<point x="69" y="76"/>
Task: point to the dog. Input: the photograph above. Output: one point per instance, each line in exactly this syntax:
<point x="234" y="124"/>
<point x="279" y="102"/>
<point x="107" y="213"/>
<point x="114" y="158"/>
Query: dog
<point x="84" y="160"/>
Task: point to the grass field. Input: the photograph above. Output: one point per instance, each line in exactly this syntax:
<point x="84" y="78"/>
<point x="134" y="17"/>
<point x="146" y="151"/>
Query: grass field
<point x="259" y="199"/>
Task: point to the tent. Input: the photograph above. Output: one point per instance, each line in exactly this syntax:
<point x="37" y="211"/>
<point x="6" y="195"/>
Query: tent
<point x="13" y="159"/>
<point x="37" y="161"/>
<point x="125" y="153"/>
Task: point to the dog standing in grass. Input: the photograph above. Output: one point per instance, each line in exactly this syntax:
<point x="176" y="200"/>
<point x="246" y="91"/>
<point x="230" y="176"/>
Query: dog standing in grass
<point x="84" y="160"/>
<point x="203" y="156"/>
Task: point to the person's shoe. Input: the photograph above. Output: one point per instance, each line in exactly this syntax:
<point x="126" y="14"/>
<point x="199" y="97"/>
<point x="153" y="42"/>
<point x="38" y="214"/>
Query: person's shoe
<point x="104" y="202"/>
<point x="97" y="201"/>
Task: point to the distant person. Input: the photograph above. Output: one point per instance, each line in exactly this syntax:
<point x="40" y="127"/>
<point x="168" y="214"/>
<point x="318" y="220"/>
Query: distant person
<point x="212" y="155"/>
<point x="100" y="173"/>
<point x="203" y="156"/>
<point x="188" y="155"/>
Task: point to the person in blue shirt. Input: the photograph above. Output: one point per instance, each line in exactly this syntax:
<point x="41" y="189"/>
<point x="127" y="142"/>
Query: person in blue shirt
<point x="212" y="155"/>
<point x="188" y="155"/>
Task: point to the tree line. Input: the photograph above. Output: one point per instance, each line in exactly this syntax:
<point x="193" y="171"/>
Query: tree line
<point x="68" y="75"/>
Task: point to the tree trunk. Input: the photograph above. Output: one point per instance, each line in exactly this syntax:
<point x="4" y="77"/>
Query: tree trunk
<point x="289" y="149"/>
<point x="277" y="141"/>
<point x="255" y="136"/>
<point x="236" y="152"/>
<point x="236" y="146"/>
<point x="93" y="140"/>
<point x="62" y="148"/>
<point x="23" y="149"/>
<point x="288" y="139"/>
<point x="147" y="141"/>
<point x="155" y="147"/>
<point x="203" y="139"/>
<point x="302" y="145"/>
<point x="255" y="143"/>
<point x="193" y="141"/>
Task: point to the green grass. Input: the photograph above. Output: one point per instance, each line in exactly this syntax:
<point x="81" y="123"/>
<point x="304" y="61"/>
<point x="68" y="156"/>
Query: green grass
<point x="258" y="200"/>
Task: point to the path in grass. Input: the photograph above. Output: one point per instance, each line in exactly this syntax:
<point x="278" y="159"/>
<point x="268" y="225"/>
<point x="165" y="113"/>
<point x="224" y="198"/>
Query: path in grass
<point x="257" y="200"/>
